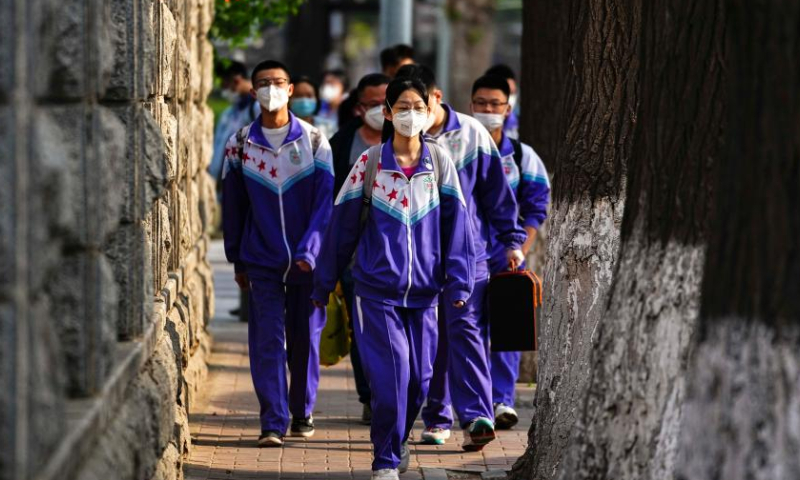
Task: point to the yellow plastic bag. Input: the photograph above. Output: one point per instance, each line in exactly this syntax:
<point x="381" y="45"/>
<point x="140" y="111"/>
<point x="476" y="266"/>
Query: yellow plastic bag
<point x="334" y="344"/>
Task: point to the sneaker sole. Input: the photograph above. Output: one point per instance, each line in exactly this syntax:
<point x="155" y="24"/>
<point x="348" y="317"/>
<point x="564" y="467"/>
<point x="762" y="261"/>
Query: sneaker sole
<point x="270" y="443"/>
<point x="302" y="434"/>
<point x="506" y="421"/>
<point x="433" y="441"/>
<point x="483" y="434"/>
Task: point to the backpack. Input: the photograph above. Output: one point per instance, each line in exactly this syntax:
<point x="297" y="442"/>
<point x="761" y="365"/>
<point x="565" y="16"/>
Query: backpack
<point x="517" y="153"/>
<point x="373" y="156"/>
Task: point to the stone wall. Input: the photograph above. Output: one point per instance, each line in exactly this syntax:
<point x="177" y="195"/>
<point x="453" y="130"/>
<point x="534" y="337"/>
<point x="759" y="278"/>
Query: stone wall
<point x="105" y="291"/>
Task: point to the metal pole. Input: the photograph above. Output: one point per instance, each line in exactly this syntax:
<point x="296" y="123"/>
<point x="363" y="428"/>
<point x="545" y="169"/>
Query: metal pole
<point x="396" y="19"/>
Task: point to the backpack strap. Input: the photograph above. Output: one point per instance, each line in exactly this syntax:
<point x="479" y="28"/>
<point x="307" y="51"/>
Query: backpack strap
<point x="517" y="153"/>
<point x="316" y="139"/>
<point x="436" y="158"/>
<point x="241" y="137"/>
<point x="371" y="171"/>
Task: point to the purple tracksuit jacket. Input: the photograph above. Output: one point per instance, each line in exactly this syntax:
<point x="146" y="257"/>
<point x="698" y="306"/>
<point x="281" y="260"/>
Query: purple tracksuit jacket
<point x="417" y="241"/>
<point x="293" y="192"/>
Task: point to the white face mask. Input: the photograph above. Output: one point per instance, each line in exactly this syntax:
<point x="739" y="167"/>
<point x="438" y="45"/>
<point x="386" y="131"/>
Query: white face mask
<point x="492" y="121"/>
<point x="230" y="96"/>
<point x="374" y="117"/>
<point x="409" y="123"/>
<point x="272" y="98"/>
<point x="512" y="100"/>
<point x="329" y="92"/>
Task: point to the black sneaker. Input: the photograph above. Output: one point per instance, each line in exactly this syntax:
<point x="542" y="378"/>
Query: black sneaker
<point x="302" y="427"/>
<point x="366" y="414"/>
<point x="270" y="438"/>
<point x="405" y="456"/>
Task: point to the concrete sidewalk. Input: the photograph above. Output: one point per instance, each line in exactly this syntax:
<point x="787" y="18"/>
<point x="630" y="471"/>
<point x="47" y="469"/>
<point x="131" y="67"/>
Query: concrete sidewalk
<point x="225" y="427"/>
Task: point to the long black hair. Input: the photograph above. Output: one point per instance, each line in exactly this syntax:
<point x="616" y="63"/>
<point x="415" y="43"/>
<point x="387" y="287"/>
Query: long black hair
<point x="305" y="79"/>
<point x="393" y="91"/>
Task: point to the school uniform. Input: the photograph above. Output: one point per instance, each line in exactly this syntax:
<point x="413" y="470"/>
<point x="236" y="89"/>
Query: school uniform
<point x="276" y="204"/>
<point x="511" y="126"/>
<point x="416" y="244"/>
<point x="531" y="185"/>
<point x="463" y="353"/>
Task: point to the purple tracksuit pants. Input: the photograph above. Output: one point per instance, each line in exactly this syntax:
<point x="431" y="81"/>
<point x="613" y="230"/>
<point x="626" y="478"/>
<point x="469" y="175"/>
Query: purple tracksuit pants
<point x="397" y="347"/>
<point x="505" y="370"/>
<point x="461" y="368"/>
<point x="284" y="326"/>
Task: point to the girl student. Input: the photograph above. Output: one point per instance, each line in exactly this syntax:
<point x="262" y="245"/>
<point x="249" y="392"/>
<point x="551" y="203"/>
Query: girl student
<point x="402" y="212"/>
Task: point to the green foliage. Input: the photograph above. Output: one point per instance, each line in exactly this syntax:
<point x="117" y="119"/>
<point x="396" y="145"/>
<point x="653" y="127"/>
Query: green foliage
<point x="237" y="20"/>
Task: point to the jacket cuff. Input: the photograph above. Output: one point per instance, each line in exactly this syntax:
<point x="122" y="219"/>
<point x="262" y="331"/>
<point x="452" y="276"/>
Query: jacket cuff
<point x="532" y="222"/>
<point x="238" y="267"/>
<point x="306" y="257"/>
<point x="456" y="294"/>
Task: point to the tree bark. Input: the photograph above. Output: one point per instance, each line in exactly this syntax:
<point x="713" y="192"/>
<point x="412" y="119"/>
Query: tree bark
<point x="630" y="424"/>
<point x="472" y="36"/>
<point x="741" y="413"/>
<point x="544" y="68"/>
<point x="598" y="117"/>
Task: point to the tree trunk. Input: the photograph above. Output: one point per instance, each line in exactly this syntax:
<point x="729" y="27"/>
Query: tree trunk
<point x="471" y="23"/>
<point x="544" y="68"/>
<point x="588" y="195"/>
<point x="741" y="414"/>
<point x="630" y="424"/>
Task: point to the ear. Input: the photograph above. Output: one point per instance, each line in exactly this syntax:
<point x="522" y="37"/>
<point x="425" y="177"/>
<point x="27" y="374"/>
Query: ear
<point x="438" y="94"/>
<point x="253" y="93"/>
<point x="508" y="111"/>
<point x="291" y="89"/>
<point x="387" y="114"/>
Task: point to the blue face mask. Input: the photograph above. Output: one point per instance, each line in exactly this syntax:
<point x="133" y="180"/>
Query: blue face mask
<point x="304" y="107"/>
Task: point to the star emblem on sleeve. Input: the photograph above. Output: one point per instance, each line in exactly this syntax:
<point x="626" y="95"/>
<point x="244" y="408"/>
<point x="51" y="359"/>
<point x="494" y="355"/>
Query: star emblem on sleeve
<point x="262" y="166"/>
<point x="273" y="173"/>
<point x="393" y="194"/>
<point x="405" y="202"/>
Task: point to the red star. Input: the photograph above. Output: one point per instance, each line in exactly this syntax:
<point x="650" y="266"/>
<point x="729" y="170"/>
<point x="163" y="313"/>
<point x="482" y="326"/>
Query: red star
<point x="362" y="175"/>
<point x="393" y="195"/>
<point x="396" y="176"/>
<point x="245" y="157"/>
<point x="274" y="172"/>
<point x="375" y="185"/>
<point x="354" y="178"/>
<point x="405" y="202"/>
<point x="261" y="166"/>
<point x="364" y="159"/>
<point x="379" y="166"/>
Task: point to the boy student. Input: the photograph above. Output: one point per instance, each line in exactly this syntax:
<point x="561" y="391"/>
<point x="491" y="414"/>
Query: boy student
<point x="511" y="124"/>
<point x="347" y="145"/>
<point x="277" y="199"/>
<point x="528" y="179"/>
<point x="394" y="57"/>
<point x="464" y="340"/>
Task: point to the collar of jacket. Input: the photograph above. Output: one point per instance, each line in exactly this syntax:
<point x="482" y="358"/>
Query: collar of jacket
<point x="257" y="136"/>
<point x="451" y="123"/>
<point x="389" y="161"/>
<point x="505" y="147"/>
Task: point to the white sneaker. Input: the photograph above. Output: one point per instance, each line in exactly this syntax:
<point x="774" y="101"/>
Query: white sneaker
<point x="435" y="436"/>
<point x="385" y="474"/>
<point x="505" y="417"/>
<point x="479" y="432"/>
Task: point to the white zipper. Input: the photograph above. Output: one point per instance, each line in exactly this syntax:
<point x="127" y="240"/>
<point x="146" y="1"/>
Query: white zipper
<point x="410" y="249"/>
<point x="283" y="231"/>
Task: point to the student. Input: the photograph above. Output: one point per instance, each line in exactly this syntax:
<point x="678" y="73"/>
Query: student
<point x="511" y="124"/>
<point x="463" y="350"/>
<point x="277" y="196"/>
<point x="305" y="99"/>
<point x="347" y="146"/>
<point x="244" y="109"/>
<point x="394" y="57"/>
<point x="528" y="179"/>
<point x="332" y="92"/>
<point x="414" y="245"/>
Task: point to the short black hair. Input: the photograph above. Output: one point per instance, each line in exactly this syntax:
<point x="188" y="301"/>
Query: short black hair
<point x="305" y="79"/>
<point x="339" y="74"/>
<point x="502" y="71"/>
<point x="392" y="55"/>
<point x="371" y="80"/>
<point x="493" y="82"/>
<point x="230" y="69"/>
<point x="420" y="72"/>
<point x="269" y="65"/>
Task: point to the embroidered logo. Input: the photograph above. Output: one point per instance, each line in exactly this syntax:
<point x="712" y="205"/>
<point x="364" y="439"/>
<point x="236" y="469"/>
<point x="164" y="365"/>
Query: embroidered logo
<point x="429" y="184"/>
<point x="294" y="157"/>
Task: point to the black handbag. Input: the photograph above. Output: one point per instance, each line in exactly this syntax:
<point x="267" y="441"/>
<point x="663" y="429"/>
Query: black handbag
<point x="513" y="300"/>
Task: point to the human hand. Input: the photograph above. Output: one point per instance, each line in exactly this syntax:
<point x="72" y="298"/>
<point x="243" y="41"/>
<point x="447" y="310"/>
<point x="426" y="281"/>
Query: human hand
<point x="242" y="281"/>
<point x="459" y="304"/>
<point x="515" y="258"/>
<point x="303" y="266"/>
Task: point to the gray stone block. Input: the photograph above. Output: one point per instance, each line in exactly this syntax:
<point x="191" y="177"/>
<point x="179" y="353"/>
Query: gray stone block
<point x="122" y="28"/>
<point x="8" y="177"/>
<point x="126" y="254"/>
<point x="83" y="297"/>
<point x="8" y="30"/>
<point x="154" y="162"/>
<point x="60" y="51"/>
<point x="166" y="54"/>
